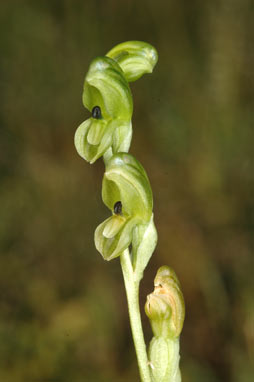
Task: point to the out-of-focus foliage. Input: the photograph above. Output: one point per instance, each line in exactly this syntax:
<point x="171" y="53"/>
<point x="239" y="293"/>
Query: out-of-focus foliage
<point x="63" y="314"/>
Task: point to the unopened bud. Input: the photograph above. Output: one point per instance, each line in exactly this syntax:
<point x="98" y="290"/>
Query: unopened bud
<point x="165" y="306"/>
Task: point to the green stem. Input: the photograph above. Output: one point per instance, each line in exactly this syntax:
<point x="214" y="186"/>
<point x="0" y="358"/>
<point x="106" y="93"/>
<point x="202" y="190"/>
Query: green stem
<point x="132" y="292"/>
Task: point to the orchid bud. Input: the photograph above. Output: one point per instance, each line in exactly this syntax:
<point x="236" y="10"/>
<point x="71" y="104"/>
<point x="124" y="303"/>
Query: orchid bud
<point x="126" y="191"/>
<point x="165" y="309"/>
<point x="135" y="58"/>
<point x="165" y="306"/>
<point x="107" y="95"/>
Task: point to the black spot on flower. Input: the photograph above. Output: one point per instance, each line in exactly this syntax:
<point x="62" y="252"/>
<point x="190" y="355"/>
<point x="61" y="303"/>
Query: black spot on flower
<point x="118" y="208"/>
<point x="96" y="112"/>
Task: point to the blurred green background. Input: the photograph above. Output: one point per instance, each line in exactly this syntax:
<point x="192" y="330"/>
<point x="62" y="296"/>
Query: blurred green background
<point x="63" y="314"/>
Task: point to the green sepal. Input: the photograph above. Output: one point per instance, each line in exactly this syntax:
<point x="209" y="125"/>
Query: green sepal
<point x="122" y="137"/>
<point x="125" y="180"/>
<point x="143" y="245"/>
<point x="106" y="86"/>
<point x="164" y="359"/>
<point x="165" y="306"/>
<point x="135" y="58"/>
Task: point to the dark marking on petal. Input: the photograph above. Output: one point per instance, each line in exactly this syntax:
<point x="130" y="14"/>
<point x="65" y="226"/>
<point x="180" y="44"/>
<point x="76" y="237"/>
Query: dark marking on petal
<point x="96" y="112"/>
<point x="118" y="208"/>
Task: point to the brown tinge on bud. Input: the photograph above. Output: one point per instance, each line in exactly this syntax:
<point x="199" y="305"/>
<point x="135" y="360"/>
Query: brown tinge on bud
<point x="165" y="306"/>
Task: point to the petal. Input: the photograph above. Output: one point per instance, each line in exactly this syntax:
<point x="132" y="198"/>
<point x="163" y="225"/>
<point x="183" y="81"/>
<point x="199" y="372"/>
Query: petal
<point x="113" y="226"/>
<point x="113" y="247"/>
<point x="90" y="132"/>
<point x="96" y="131"/>
<point x="106" y="142"/>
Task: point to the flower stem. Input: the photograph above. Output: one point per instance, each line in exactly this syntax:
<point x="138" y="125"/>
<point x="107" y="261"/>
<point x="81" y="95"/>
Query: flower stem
<point x="132" y="292"/>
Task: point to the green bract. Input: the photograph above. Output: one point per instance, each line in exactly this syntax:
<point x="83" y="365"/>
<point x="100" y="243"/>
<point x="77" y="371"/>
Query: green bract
<point x="165" y="306"/>
<point x="164" y="357"/>
<point x="106" y="88"/>
<point x="135" y="58"/>
<point x="126" y="186"/>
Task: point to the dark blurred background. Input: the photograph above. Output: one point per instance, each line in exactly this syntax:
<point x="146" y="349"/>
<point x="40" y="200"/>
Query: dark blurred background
<point x="63" y="313"/>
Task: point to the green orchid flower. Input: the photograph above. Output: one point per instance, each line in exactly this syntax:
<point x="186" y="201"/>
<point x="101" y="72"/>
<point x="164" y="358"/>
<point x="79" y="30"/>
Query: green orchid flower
<point x="135" y="58"/>
<point x="108" y="97"/>
<point x="126" y="191"/>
